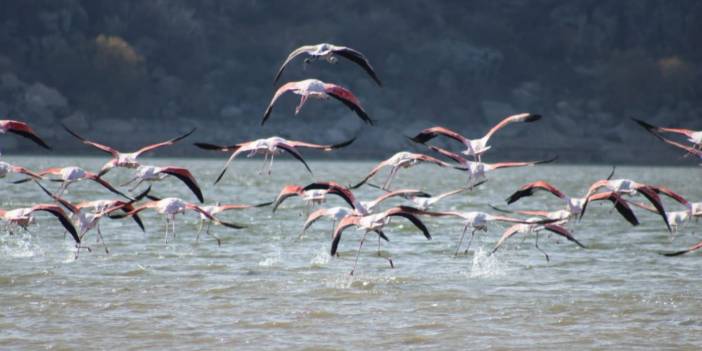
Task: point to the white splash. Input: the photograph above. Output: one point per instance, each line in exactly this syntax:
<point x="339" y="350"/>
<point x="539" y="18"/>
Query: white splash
<point x="19" y="245"/>
<point x="321" y="258"/>
<point x="485" y="265"/>
<point x="272" y="260"/>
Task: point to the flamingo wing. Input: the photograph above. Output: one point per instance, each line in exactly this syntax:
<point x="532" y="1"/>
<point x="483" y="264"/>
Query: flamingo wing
<point x="431" y="133"/>
<point x="282" y="90"/>
<point x="347" y="98"/>
<point x="454" y="156"/>
<point x="320" y="146"/>
<point x="23" y="129"/>
<point x="621" y="205"/>
<point x="61" y="216"/>
<point x="359" y="59"/>
<point x="98" y="146"/>
<point x="297" y="52"/>
<point x="344" y="223"/>
<point x="186" y="177"/>
<point x="164" y="143"/>
<point x="291" y="150"/>
<point x="530" y="188"/>
<point x="522" y="117"/>
<point x="288" y="191"/>
<point x="688" y="250"/>
<point x="370" y="174"/>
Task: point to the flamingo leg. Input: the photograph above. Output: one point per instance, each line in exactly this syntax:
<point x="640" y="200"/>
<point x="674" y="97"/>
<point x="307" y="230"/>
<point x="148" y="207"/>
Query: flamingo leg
<point x="472" y="235"/>
<point x="165" y="234"/>
<point x="538" y="248"/>
<point x="460" y="241"/>
<point x="141" y="180"/>
<point x="270" y="165"/>
<point x="219" y="241"/>
<point x="102" y="239"/>
<point x="390" y="177"/>
<point x="263" y="166"/>
<point x="303" y="99"/>
<point x="358" y="253"/>
<point x="199" y="230"/>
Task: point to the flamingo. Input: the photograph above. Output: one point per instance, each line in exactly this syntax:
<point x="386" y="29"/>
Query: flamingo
<point x="476" y="219"/>
<point x="574" y="205"/>
<point x="219" y="208"/>
<point x="23" y="217"/>
<point x="269" y="147"/>
<point x="424" y="202"/>
<point x="85" y="220"/>
<point x="124" y="159"/>
<point x="361" y="208"/>
<point x="315" y="193"/>
<point x="171" y="206"/>
<point x="98" y="206"/>
<point x="22" y="129"/>
<point x="631" y="188"/>
<point x="691" y="150"/>
<point x="329" y="53"/>
<point x="676" y="219"/>
<point x="70" y="175"/>
<point x="693" y="136"/>
<point x="474" y="147"/>
<point x="400" y="160"/>
<point x="374" y="223"/>
<point x="319" y="90"/>
<point x="477" y="170"/>
<point x="154" y="173"/>
<point x="6" y="168"/>
<point x="525" y="228"/>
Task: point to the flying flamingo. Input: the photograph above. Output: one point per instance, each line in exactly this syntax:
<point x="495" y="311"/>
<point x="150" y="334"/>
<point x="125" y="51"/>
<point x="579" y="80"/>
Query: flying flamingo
<point x="477" y="170"/>
<point x="23" y="217"/>
<point x="474" y="147"/>
<point x="691" y="150"/>
<point x="217" y="209"/>
<point x="103" y="205"/>
<point x="314" y="88"/>
<point x="171" y="206"/>
<point x="154" y="173"/>
<point x="400" y="160"/>
<point x="627" y="187"/>
<point x="70" y="175"/>
<point x="525" y="228"/>
<point x="124" y="159"/>
<point x="574" y="205"/>
<point x="676" y="219"/>
<point x="85" y="220"/>
<point x="374" y="223"/>
<point x="6" y="168"/>
<point x="423" y="202"/>
<point x="269" y="147"/>
<point x="570" y="213"/>
<point x="329" y="53"/>
<point x="315" y="194"/>
<point x="22" y="129"/>
<point x="476" y="220"/>
<point x="361" y="208"/>
<point x="693" y="136"/>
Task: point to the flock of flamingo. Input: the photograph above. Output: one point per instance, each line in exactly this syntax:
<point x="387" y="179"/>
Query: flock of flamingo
<point x="80" y="218"/>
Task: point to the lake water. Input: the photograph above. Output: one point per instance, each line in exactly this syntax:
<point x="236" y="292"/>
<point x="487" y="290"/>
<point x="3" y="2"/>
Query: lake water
<point x="264" y="289"/>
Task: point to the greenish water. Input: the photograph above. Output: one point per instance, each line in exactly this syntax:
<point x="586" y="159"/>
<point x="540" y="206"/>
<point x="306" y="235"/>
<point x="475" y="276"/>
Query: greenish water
<point x="264" y="289"/>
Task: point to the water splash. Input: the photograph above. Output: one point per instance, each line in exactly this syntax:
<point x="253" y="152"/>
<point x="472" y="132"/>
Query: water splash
<point x="272" y="260"/>
<point x="19" y="246"/>
<point x="485" y="265"/>
<point x="321" y="258"/>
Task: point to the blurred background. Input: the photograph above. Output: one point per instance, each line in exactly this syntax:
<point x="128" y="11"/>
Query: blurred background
<point x="127" y="73"/>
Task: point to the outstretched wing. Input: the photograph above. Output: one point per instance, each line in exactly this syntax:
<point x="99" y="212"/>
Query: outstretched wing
<point x="186" y="177"/>
<point x="23" y="129"/>
<point x="359" y="59"/>
<point x="351" y="101"/>
<point x="282" y="90"/>
<point x="162" y="144"/>
<point x="297" y="52"/>
<point x="98" y="146"/>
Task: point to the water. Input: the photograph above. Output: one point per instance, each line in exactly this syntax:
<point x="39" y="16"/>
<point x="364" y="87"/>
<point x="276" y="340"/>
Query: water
<point x="263" y="288"/>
